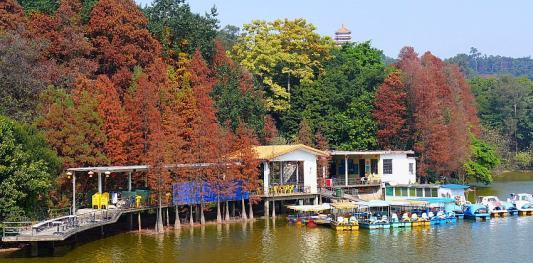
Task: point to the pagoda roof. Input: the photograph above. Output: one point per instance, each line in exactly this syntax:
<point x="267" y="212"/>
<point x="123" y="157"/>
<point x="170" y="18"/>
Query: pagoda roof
<point x="343" y="30"/>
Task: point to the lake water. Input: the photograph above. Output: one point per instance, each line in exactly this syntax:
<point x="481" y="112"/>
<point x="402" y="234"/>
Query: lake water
<point x="498" y="240"/>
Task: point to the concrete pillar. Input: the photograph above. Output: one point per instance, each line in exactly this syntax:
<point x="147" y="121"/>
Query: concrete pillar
<point x="315" y="202"/>
<point x="99" y="182"/>
<point x="346" y="170"/>
<point x="34" y="249"/>
<point x="267" y="208"/>
<point x="273" y="209"/>
<point x="73" y="193"/>
<point x="266" y="177"/>
<point x="129" y="181"/>
<point x="139" y="220"/>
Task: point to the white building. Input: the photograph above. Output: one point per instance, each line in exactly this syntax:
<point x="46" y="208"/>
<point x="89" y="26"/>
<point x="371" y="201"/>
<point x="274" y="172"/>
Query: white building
<point x="375" y="167"/>
<point x="343" y="35"/>
<point x="289" y="169"/>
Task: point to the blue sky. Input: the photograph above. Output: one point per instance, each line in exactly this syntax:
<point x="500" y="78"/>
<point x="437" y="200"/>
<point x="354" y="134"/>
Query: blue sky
<point x="445" y="27"/>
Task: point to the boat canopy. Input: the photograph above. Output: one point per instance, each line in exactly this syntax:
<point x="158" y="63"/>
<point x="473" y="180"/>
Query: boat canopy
<point x="343" y="205"/>
<point x="310" y="208"/>
<point x="374" y="203"/>
<point x="455" y="186"/>
<point x="435" y="200"/>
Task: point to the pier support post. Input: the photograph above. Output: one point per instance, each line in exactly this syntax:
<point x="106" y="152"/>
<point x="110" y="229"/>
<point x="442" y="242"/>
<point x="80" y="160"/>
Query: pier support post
<point x="34" y="249"/>
<point x="131" y="221"/>
<point x="267" y="208"/>
<point x="316" y="200"/>
<point x="99" y="182"/>
<point x="139" y="220"/>
<point x="346" y="170"/>
<point x="273" y="209"/>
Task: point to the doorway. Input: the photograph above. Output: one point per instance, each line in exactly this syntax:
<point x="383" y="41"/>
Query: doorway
<point x="361" y="168"/>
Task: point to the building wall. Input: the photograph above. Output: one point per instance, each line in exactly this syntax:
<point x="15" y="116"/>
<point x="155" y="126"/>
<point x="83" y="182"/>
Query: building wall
<point x="310" y="169"/>
<point x="400" y="169"/>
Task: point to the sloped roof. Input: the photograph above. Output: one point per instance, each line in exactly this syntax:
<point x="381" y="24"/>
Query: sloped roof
<point x="343" y="30"/>
<point x="270" y="152"/>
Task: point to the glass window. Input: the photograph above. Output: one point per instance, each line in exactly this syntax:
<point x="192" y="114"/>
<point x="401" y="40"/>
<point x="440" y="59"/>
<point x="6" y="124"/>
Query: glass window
<point x="427" y="192"/>
<point x="387" y="166"/>
<point x="374" y="166"/>
<point x="411" y="168"/>
<point x="397" y="191"/>
<point x="412" y="191"/>
<point x="389" y="191"/>
<point x="404" y="191"/>
<point x="434" y="192"/>
<point x="419" y="192"/>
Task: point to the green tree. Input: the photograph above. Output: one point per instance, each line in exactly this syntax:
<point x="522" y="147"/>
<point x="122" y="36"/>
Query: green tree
<point x="27" y="170"/>
<point x="341" y="100"/>
<point x="482" y="161"/>
<point x="282" y="53"/>
<point x="180" y="30"/>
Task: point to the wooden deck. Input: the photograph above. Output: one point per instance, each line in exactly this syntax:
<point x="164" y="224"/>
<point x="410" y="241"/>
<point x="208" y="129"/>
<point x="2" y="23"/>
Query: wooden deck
<point x="61" y="228"/>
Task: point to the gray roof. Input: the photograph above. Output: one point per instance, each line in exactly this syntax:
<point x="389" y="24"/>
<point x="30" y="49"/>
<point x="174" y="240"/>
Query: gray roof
<point x="380" y="152"/>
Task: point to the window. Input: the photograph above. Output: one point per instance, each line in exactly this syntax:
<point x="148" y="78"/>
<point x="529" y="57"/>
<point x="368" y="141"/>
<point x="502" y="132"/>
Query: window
<point x="389" y="191"/>
<point x="387" y="166"/>
<point x="419" y="192"/>
<point x="397" y="191"/>
<point x="374" y="166"/>
<point x="427" y="192"/>
<point x="434" y="192"/>
<point x="404" y="191"/>
<point x="411" y="168"/>
<point x="412" y="192"/>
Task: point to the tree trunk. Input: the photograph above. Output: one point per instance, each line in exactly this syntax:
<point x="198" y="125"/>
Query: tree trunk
<point x="191" y="218"/>
<point x="227" y="211"/>
<point x="243" y="212"/>
<point x="177" y="223"/>
<point x="250" y="210"/>
<point x="202" y="217"/>
<point x="219" y="214"/>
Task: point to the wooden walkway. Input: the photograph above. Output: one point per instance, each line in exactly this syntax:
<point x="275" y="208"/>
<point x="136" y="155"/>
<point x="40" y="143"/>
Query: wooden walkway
<point x="61" y="228"/>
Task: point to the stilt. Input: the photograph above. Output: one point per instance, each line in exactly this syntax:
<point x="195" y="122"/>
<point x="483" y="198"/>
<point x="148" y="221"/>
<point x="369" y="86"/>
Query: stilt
<point x="34" y="249"/>
<point x="102" y="230"/>
<point x="168" y="220"/>
<point x="267" y="208"/>
<point x="131" y="221"/>
<point x="273" y="209"/>
<point x="177" y="223"/>
<point x="139" y="220"/>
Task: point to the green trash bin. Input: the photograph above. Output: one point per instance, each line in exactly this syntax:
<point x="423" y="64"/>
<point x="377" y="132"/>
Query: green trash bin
<point x="339" y="193"/>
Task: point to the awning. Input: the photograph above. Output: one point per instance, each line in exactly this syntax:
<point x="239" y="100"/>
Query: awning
<point x="310" y="208"/>
<point x="434" y="200"/>
<point x="344" y="205"/>
<point x="455" y="186"/>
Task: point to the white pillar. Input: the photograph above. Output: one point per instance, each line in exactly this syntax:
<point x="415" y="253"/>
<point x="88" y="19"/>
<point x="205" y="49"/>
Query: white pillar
<point x="297" y="172"/>
<point x="99" y="182"/>
<point x="266" y="177"/>
<point x="73" y="193"/>
<point x="129" y="181"/>
<point x="346" y="170"/>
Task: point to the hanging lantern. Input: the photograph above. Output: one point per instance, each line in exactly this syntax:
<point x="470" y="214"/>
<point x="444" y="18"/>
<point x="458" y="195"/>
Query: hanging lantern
<point x="69" y="174"/>
<point x="91" y="174"/>
<point x="107" y="174"/>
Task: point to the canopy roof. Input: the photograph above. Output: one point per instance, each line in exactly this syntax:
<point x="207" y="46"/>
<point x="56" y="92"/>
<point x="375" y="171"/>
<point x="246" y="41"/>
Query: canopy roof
<point x="270" y="152"/>
<point x="343" y="30"/>
<point x="434" y="200"/>
<point x="344" y="205"/>
<point x="134" y="168"/>
<point x="310" y="208"/>
<point x="374" y="203"/>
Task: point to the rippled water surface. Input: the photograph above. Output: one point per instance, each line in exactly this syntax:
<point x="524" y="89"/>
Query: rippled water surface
<point x="498" y="240"/>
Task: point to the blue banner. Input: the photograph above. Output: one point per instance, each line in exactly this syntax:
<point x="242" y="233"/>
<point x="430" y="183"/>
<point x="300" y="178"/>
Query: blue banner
<point x="194" y="192"/>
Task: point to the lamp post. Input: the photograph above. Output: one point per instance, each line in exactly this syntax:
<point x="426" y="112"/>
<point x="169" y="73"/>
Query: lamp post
<point x="69" y="174"/>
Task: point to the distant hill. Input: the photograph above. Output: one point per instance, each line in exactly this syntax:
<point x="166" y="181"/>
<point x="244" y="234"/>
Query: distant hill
<point x="476" y="63"/>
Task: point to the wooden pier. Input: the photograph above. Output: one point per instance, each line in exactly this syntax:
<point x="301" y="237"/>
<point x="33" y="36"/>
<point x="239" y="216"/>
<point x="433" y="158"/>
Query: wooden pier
<point x="61" y="228"/>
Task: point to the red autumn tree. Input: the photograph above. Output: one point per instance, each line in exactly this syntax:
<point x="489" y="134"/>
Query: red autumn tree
<point x="270" y="132"/>
<point x="305" y="134"/>
<point x="118" y="30"/>
<point x="248" y="168"/>
<point x="115" y="122"/>
<point x="206" y="136"/>
<point x="68" y="47"/>
<point x="390" y="113"/>
<point x="11" y="15"/>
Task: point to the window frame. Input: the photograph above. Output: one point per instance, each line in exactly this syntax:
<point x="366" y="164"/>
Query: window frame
<point x="386" y="169"/>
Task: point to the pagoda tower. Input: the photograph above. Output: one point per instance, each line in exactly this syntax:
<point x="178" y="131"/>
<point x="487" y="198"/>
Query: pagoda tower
<point x="343" y="35"/>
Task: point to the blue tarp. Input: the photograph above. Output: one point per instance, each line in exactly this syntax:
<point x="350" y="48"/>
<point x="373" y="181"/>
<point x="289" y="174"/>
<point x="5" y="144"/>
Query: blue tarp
<point x="455" y="186"/>
<point x="194" y="192"/>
